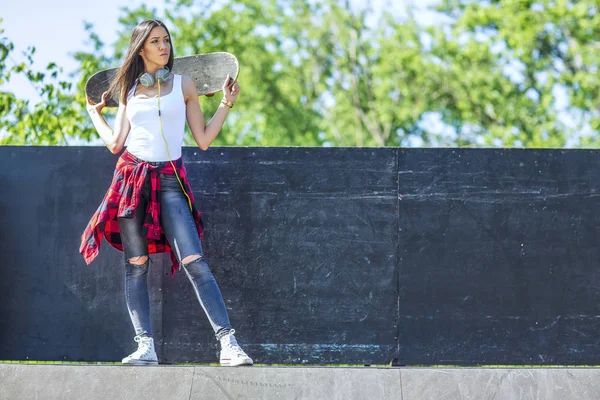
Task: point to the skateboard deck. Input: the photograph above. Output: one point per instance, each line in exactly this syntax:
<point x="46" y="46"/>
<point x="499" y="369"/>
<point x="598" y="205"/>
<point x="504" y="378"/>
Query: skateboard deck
<point x="208" y="70"/>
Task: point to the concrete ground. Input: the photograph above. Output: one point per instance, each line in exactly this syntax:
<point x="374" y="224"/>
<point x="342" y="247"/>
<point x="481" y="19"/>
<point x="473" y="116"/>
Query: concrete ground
<point x="113" y="382"/>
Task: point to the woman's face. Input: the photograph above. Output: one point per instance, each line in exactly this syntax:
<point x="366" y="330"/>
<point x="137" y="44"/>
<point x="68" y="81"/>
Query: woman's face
<point x="157" y="47"/>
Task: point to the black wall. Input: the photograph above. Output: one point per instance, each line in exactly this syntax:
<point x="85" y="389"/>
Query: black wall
<point x="427" y="256"/>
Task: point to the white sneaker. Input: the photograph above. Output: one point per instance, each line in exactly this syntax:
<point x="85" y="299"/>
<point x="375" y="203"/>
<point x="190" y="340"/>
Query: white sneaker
<point x="232" y="354"/>
<point x="144" y="355"/>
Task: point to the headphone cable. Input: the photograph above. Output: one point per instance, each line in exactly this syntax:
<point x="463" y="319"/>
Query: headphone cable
<point x="167" y="146"/>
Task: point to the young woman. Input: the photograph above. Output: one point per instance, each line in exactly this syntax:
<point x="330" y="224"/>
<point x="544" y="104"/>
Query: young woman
<point x="149" y="207"/>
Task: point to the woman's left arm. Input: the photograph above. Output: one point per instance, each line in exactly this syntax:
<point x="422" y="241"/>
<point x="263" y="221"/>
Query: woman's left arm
<point x="203" y="134"/>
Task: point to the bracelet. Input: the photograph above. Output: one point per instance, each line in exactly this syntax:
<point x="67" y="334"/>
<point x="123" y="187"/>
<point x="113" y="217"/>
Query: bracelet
<point x="227" y="102"/>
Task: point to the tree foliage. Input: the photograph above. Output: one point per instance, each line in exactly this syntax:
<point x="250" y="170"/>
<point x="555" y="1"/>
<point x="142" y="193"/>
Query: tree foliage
<point x="314" y="73"/>
<point x="550" y="49"/>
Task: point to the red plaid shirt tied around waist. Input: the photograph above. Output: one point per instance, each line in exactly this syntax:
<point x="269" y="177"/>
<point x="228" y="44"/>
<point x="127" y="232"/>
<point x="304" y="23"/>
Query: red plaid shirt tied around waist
<point x="121" y="200"/>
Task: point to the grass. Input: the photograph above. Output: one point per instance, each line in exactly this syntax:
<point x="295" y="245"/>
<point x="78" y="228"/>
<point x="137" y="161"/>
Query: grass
<point x="526" y="366"/>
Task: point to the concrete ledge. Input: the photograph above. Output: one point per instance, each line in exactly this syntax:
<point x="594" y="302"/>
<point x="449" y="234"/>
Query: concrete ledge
<point x="91" y="382"/>
<point x="501" y="384"/>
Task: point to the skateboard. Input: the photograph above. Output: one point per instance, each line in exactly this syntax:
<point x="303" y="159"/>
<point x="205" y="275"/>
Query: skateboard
<point x="208" y="70"/>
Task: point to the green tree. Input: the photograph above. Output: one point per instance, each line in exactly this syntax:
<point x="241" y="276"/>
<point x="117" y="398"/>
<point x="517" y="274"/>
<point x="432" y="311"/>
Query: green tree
<point x="550" y="46"/>
<point x="319" y="73"/>
<point x="60" y="114"/>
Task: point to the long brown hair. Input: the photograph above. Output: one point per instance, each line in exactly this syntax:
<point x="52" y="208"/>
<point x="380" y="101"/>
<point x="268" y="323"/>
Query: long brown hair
<point x="133" y="66"/>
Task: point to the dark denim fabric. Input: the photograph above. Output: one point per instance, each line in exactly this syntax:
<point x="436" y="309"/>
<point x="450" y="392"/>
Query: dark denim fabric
<point x="180" y="230"/>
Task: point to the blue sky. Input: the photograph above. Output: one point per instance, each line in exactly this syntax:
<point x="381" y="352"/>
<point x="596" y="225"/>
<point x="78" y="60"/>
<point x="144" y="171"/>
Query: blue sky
<point x="55" y="29"/>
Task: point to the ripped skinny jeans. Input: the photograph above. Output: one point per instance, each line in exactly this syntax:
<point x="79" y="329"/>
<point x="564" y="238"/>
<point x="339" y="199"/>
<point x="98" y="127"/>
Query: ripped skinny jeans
<point x="179" y="227"/>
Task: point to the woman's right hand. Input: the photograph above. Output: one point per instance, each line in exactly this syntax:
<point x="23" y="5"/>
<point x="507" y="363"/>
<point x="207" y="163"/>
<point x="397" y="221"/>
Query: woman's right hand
<point x="96" y="108"/>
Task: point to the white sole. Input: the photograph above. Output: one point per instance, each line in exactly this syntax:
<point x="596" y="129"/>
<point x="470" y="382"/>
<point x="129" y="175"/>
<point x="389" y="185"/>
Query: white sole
<point x="229" y="363"/>
<point x="139" y="362"/>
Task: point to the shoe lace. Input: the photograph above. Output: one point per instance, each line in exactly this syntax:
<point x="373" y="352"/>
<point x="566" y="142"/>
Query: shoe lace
<point x="230" y="343"/>
<point x="143" y="345"/>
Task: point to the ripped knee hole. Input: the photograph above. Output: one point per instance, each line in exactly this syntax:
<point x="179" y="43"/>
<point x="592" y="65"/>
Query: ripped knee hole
<point x="139" y="260"/>
<point x="191" y="258"/>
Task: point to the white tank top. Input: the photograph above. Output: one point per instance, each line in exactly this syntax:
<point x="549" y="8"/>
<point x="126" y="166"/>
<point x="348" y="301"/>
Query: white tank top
<point x="145" y="140"/>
